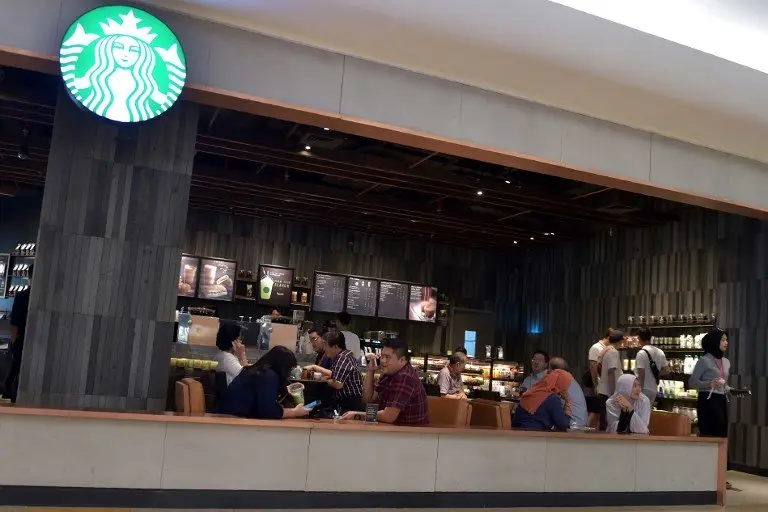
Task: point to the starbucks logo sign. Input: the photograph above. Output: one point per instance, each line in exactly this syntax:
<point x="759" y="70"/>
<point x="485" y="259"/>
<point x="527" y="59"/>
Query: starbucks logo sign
<point x="123" y="64"/>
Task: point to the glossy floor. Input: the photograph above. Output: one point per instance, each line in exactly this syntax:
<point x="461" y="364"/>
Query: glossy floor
<point x="750" y="494"/>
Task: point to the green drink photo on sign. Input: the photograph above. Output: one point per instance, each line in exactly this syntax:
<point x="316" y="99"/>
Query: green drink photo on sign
<point x="123" y="64"/>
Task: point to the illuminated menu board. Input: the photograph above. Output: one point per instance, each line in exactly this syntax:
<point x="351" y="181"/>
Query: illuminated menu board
<point x="275" y="284"/>
<point x="362" y="296"/>
<point x="422" y="305"/>
<point x="393" y="300"/>
<point x="328" y="293"/>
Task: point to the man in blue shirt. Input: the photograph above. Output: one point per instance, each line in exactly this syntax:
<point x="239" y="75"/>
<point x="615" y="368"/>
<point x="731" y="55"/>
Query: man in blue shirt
<point x="578" y="402"/>
<point x="539" y="366"/>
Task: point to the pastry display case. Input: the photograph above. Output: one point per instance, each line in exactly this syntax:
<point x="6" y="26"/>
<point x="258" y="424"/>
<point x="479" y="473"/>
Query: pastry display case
<point x="476" y="375"/>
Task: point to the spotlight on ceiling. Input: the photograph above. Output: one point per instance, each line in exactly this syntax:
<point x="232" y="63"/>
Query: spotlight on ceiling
<point x="507" y="182"/>
<point x="479" y="192"/>
<point x="308" y="148"/>
<point x="326" y="129"/>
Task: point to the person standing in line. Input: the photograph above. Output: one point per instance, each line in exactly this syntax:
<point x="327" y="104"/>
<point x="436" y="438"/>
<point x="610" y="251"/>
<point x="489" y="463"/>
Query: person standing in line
<point x="575" y="394"/>
<point x="650" y="365"/>
<point x="19" y="313"/>
<point x="710" y="378"/>
<point x="590" y="380"/>
<point x="539" y="369"/>
<point x="609" y="364"/>
<point x="449" y="378"/>
<point x="343" y="321"/>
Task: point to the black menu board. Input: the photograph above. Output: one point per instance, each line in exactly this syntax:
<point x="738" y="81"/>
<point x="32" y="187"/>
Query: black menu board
<point x="188" y="271"/>
<point x="275" y="284"/>
<point x="217" y="279"/>
<point x="422" y="304"/>
<point x="393" y="300"/>
<point x="362" y="296"/>
<point x="328" y="293"/>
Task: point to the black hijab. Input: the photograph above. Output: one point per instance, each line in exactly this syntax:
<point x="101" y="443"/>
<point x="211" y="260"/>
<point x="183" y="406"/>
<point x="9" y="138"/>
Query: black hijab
<point x="711" y="343"/>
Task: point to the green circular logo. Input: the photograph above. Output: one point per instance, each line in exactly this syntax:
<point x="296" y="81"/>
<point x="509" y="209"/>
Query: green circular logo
<point x="123" y="64"/>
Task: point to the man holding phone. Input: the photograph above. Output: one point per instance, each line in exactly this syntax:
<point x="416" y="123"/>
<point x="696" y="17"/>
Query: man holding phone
<point x="399" y="393"/>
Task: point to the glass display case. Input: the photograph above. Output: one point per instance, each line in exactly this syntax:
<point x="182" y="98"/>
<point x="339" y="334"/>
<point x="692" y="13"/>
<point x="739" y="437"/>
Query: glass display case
<point x="476" y="375"/>
<point x="506" y="377"/>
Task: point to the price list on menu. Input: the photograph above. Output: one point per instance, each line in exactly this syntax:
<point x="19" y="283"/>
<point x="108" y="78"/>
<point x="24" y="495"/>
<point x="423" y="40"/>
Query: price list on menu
<point x="362" y="296"/>
<point x="329" y="293"/>
<point x="393" y="300"/>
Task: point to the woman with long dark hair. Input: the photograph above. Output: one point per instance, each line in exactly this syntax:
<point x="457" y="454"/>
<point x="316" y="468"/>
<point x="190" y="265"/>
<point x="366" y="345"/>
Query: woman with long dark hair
<point x="257" y="391"/>
<point x="710" y="378"/>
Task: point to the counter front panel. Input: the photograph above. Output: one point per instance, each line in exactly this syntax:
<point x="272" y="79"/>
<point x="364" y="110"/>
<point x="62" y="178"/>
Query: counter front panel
<point x="74" y="458"/>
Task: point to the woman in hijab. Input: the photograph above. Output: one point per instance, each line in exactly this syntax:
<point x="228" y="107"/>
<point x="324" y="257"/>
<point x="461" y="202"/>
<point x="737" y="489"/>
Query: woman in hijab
<point x="546" y="406"/>
<point x="629" y="410"/>
<point x="710" y="377"/>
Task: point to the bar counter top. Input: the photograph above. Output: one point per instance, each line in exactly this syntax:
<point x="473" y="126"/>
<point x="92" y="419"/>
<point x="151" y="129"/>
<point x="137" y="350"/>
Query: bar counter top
<point x="214" y="419"/>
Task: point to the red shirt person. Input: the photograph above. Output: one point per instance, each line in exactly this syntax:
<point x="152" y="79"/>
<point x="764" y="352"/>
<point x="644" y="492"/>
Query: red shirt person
<point x="399" y="393"/>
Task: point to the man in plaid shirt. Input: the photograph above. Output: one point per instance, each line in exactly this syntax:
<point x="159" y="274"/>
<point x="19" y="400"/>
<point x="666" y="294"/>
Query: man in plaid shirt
<point x="345" y="377"/>
<point x="399" y="393"/>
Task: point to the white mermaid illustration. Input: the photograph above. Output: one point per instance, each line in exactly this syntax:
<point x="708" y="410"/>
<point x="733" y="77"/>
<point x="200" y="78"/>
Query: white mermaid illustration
<point x="121" y="80"/>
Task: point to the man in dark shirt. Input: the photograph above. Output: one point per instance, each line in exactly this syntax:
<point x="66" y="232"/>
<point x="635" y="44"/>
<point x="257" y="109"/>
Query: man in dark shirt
<point x="18" y="330"/>
<point x="399" y="393"/>
<point x="318" y="345"/>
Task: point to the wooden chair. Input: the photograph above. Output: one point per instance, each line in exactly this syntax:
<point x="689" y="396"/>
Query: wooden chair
<point x="196" y="397"/>
<point x="447" y="412"/>
<point x="490" y="413"/>
<point x="181" y="402"/>
<point x="669" y="424"/>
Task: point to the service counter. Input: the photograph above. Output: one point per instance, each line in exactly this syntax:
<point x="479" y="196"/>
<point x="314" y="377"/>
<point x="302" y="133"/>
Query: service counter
<point x="80" y="458"/>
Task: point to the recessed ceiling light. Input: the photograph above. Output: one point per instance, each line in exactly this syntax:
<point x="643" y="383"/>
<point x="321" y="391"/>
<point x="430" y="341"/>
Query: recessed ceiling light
<point x="507" y="182"/>
<point x="326" y="129"/>
<point x="515" y="242"/>
<point x="531" y="238"/>
<point x="479" y="192"/>
<point x="308" y="148"/>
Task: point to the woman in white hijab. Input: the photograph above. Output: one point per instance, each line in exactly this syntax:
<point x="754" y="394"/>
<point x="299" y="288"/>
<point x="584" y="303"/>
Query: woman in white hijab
<point x="629" y="410"/>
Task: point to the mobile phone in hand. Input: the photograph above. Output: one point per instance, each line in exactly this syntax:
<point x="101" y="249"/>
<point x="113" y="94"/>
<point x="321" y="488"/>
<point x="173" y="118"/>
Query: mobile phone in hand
<point x="312" y="405"/>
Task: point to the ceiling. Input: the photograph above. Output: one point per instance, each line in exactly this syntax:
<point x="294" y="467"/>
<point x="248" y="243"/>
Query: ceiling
<point x="668" y="74"/>
<point x="261" y="167"/>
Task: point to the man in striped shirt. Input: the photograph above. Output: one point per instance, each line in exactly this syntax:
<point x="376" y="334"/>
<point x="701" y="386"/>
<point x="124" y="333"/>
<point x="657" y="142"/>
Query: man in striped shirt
<point x="345" y="377"/>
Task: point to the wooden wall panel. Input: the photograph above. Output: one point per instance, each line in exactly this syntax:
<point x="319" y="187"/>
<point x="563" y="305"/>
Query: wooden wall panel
<point x="707" y="263"/>
<point x="476" y="279"/>
<point x="102" y="305"/>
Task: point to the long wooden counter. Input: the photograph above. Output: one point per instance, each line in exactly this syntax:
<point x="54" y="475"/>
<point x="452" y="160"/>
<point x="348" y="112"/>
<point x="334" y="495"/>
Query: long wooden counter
<point x="59" y="458"/>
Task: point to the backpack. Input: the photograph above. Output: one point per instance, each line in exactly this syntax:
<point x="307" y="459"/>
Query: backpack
<point x="653" y="367"/>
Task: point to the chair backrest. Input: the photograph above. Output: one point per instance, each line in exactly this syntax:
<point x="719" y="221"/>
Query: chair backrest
<point x="486" y="414"/>
<point x="669" y="424"/>
<point x="182" y="397"/>
<point x="448" y="412"/>
<point x="196" y="397"/>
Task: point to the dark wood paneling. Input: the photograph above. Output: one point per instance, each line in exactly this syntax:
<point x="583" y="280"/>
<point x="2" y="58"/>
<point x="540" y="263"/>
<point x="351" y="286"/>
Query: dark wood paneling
<point x="101" y="316"/>
<point x="707" y="263"/>
<point x="477" y="279"/>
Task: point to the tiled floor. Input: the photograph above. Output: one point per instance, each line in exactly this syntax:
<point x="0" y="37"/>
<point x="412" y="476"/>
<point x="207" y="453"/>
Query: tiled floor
<point x="750" y="494"/>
